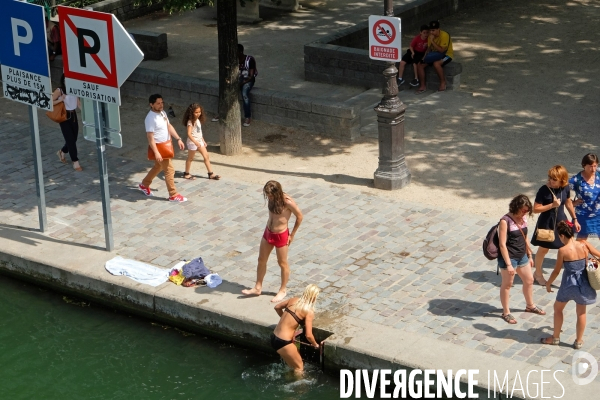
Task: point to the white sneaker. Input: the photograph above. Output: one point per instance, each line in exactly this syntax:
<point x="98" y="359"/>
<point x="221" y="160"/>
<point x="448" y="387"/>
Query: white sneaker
<point x="246" y="122"/>
<point x="215" y="119"/>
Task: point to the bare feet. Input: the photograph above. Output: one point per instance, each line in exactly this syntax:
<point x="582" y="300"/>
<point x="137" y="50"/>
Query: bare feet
<point x="251" y="292"/>
<point x="280" y="296"/>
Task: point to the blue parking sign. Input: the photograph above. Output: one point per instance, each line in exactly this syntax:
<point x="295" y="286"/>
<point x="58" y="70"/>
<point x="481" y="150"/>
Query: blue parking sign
<point x="23" y="32"/>
<point x="24" y="54"/>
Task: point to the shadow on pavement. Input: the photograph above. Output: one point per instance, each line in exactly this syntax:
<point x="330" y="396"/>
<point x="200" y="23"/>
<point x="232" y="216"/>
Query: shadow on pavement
<point x="462" y="309"/>
<point x="334" y="178"/>
<point x="27" y="236"/>
<point x="531" y="335"/>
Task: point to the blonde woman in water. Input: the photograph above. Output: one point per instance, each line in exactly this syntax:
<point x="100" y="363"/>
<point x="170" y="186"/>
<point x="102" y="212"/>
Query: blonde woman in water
<point x="295" y="312"/>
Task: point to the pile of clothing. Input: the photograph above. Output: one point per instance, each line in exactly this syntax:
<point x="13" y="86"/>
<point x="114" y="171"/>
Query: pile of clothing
<point x="194" y="273"/>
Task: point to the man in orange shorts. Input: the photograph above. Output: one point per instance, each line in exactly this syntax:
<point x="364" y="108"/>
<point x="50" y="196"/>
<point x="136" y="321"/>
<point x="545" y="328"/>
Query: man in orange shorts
<point x="277" y="234"/>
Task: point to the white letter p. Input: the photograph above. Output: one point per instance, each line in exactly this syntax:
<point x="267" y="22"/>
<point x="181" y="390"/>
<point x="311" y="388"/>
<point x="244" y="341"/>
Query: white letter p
<point x="16" y="23"/>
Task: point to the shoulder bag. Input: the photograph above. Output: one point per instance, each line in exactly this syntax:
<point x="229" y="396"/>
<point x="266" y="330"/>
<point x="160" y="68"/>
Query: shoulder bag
<point x="593" y="272"/>
<point x="547" y="235"/>
<point x="165" y="149"/>
<point x="58" y="113"/>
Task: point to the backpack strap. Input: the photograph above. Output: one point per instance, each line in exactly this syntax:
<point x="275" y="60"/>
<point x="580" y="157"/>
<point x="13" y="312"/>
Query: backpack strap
<point x="527" y="249"/>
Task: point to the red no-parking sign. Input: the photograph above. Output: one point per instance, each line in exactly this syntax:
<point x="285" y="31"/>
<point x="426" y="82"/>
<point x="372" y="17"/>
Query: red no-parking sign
<point x="98" y="54"/>
<point x="384" y="38"/>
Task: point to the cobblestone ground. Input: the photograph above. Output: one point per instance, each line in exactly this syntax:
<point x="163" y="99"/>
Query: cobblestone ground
<point x="394" y="263"/>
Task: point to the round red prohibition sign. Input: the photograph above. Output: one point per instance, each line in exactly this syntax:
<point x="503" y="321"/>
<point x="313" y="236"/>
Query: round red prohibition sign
<point x="384" y="32"/>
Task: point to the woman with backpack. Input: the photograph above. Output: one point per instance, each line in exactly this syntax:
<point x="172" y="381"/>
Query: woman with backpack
<point x="515" y="255"/>
<point x="574" y="285"/>
<point x="550" y="202"/>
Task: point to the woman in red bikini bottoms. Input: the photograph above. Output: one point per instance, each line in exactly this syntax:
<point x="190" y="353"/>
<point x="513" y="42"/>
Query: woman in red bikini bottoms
<point x="277" y="234"/>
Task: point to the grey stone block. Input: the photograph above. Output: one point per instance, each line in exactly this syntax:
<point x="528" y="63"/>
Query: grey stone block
<point x="292" y="101"/>
<point x="327" y="107"/>
<point x="152" y="44"/>
<point x="145" y="75"/>
<point x="261" y="96"/>
<point x="205" y="86"/>
<point x="174" y="81"/>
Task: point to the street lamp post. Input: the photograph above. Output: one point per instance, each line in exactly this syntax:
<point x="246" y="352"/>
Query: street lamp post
<point x="392" y="172"/>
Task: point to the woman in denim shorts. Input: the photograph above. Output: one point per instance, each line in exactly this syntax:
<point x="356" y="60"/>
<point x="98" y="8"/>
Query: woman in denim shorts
<point x="515" y="255"/>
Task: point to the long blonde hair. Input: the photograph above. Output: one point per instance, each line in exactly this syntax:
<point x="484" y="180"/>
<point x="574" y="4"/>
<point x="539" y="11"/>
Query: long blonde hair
<point x="308" y="299"/>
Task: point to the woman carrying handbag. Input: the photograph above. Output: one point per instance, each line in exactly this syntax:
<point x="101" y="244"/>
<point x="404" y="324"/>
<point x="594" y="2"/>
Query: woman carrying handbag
<point x="550" y="202"/>
<point x="574" y="284"/>
<point x="69" y="127"/>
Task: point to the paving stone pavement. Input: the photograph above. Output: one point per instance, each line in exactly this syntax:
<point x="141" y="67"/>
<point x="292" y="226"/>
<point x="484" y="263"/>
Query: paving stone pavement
<point x="395" y="263"/>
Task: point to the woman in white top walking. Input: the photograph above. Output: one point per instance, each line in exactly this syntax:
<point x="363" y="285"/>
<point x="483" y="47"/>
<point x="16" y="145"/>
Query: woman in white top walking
<point x="192" y="119"/>
<point x="70" y="127"/>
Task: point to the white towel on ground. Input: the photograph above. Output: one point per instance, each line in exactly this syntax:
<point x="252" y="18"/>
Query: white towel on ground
<point x="138" y="271"/>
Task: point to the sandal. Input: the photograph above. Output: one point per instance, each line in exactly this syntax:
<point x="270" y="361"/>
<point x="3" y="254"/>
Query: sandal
<point x="509" y="318"/>
<point x="211" y="175"/>
<point x="577" y="345"/>
<point x="189" y="176"/>
<point x="61" y="156"/>
<point x="550" y="340"/>
<point x="420" y="91"/>
<point x="539" y="280"/>
<point x="535" y="310"/>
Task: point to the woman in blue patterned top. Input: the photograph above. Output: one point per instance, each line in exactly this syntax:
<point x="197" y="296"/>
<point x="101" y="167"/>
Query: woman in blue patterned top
<point x="586" y="185"/>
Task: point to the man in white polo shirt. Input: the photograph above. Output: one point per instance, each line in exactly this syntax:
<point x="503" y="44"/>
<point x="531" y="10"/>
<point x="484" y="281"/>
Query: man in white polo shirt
<point x="159" y="130"/>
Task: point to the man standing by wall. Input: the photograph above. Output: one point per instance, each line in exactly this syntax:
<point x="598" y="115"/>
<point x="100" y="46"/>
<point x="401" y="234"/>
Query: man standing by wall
<point x="159" y="131"/>
<point x="247" y="77"/>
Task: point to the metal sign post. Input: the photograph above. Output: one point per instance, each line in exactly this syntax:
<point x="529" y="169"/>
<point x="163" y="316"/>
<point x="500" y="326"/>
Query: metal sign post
<point x="37" y="167"/>
<point x="103" y="171"/>
<point x="26" y="75"/>
<point x="384" y="41"/>
<point x="98" y="56"/>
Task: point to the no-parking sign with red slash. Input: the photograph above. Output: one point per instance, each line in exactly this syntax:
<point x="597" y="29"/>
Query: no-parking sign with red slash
<point x="98" y="54"/>
<point x="384" y="38"/>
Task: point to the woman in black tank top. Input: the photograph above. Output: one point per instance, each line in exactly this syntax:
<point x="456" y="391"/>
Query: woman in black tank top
<point x="515" y="255"/>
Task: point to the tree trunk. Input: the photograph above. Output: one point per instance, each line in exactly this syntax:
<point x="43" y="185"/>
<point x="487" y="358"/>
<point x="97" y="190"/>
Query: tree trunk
<point x="230" y="127"/>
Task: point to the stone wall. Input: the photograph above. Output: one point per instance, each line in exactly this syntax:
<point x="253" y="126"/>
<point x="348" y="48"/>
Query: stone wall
<point x="340" y="120"/>
<point x="343" y="59"/>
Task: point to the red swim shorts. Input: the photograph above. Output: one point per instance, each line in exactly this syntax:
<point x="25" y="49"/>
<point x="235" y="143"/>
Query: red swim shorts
<point x="276" y="239"/>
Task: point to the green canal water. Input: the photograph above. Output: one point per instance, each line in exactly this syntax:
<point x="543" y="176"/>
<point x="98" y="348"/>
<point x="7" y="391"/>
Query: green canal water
<point x="56" y="347"/>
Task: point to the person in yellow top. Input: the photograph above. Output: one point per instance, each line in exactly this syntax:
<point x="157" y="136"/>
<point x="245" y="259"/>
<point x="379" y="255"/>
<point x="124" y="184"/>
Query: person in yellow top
<point x="439" y="53"/>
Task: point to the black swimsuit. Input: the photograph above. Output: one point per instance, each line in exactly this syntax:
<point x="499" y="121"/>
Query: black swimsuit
<point x="278" y="343"/>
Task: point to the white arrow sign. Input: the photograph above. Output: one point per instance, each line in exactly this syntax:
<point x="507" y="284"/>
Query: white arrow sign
<point x="98" y="54"/>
